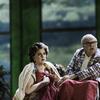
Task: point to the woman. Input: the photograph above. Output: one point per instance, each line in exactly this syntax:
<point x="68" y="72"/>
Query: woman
<point x="38" y="79"/>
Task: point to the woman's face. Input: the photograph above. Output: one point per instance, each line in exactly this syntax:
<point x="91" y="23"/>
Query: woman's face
<point x="40" y="56"/>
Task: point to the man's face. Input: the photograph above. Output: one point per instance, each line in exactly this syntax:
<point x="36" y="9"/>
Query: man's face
<point x="90" y="47"/>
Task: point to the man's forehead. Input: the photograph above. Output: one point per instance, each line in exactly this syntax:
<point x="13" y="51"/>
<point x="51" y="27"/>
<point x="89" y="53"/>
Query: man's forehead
<point x="89" y="38"/>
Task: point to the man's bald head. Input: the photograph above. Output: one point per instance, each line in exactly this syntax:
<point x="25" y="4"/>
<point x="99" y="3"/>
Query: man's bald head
<point x="88" y="38"/>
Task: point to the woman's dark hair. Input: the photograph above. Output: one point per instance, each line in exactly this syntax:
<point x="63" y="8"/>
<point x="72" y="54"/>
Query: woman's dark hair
<point x="35" y="47"/>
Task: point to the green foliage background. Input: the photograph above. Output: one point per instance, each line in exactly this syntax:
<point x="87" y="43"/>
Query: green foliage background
<point x="62" y="55"/>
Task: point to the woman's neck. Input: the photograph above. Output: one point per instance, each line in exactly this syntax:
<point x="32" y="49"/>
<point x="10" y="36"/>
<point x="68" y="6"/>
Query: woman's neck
<point x="40" y="68"/>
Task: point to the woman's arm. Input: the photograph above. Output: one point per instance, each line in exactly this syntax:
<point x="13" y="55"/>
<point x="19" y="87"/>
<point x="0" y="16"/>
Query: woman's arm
<point x="37" y="86"/>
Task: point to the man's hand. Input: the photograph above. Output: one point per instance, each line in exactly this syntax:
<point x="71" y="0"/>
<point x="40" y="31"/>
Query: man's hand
<point x="63" y="79"/>
<point x="73" y="76"/>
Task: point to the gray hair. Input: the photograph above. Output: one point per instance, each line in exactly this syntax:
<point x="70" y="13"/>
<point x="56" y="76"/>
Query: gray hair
<point x="88" y="37"/>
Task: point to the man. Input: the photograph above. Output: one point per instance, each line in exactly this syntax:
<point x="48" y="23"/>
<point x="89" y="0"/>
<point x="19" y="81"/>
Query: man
<point x="85" y="63"/>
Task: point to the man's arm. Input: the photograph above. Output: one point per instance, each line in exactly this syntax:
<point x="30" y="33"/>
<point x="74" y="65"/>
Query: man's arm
<point x="70" y="68"/>
<point x="92" y="72"/>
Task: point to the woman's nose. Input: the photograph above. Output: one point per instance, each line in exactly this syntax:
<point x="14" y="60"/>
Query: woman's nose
<point x="42" y="55"/>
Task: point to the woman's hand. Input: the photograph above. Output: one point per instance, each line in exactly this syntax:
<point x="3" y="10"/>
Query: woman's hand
<point x="46" y="80"/>
<point x="54" y="77"/>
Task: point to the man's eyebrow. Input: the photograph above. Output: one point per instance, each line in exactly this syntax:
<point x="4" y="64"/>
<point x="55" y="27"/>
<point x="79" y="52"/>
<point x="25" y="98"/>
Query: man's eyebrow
<point x="90" y="42"/>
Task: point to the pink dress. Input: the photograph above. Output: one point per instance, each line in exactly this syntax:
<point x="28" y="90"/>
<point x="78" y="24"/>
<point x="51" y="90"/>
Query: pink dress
<point x="48" y="92"/>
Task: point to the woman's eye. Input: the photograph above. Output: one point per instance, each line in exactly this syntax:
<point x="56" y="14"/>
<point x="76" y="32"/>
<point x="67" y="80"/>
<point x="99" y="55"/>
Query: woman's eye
<point x="39" y="54"/>
<point x="44" y="53"/>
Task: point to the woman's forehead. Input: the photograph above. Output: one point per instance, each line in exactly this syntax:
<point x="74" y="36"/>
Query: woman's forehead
<point x="41" y="50"/>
